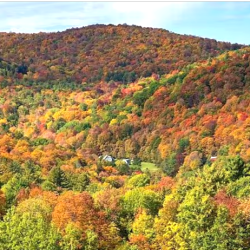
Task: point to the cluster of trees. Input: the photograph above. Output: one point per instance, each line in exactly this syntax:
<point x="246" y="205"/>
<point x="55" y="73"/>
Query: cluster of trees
<point x="202" y="108"/>
<point x="105" y="52"/>
<point x="56" y="193"/>
<point x="206" y="208"/>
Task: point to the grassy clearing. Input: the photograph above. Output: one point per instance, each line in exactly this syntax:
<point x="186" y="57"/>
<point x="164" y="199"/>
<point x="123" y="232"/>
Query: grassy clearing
<point x="148" y="165"/>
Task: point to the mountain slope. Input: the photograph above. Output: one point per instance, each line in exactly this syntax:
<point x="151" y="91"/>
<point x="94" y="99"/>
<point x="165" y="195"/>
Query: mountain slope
<point x="202" y="107"/>
<point x="106" y="52"/>
<point x="54" y="184"/>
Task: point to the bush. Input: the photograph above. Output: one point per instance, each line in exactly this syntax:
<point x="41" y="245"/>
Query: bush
<point x="140" y="180"/>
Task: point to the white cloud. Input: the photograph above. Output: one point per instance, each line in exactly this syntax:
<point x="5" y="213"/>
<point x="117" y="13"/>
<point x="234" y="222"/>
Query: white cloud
<point x="154" y="14"/>
<point x="29" y="17"/>
<point x="206" y="19"/>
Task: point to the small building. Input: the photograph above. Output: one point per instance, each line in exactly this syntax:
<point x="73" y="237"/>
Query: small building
<point x="107" y="158"/>
<point x="127" y="161"/>
<point x="213" y="158"/>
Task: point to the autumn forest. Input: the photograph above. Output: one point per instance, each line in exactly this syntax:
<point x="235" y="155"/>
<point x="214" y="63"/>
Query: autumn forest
<point x="123" y="138"/>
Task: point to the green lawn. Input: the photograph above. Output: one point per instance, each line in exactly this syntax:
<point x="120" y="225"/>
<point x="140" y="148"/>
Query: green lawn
<point x="151" y="166"/>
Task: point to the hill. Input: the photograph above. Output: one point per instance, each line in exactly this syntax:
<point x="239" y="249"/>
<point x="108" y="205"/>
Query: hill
<point x="106" y="52"/>
<point x="57" y="120"/>
<point x="197" y="108"/>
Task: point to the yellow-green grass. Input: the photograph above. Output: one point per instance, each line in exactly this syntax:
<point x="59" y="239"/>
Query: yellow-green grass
<point x="148" y="165"/>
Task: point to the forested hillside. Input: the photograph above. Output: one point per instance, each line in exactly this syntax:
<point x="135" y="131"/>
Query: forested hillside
<point x="106" y="52"/>
<point x="61" y="123"/>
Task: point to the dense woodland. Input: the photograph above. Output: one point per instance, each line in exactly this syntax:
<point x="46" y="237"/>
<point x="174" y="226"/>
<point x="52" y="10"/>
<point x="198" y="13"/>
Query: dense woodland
<point x="146" y="94"/>
<point x="106" y="52"/>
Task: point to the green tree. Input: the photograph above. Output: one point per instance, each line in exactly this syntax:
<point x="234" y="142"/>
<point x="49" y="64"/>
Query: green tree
<point x="27" y="232"/>
<point x="141" y="198"/>
<point x="196" y="215"/>
<point x="140" y="180"/>
<point x="72" y="240"/>
<point x="236" y="167"/>
<point x="169" y="165"/>
<point x="143" y="224"/>
<point x="82" y="182"/>
<point x="58" y="177"/>
<point x="91" y="241"/>
<point x="31" y="172"/>
<point x="122" y="167"/>
<point x="12" y="187"/>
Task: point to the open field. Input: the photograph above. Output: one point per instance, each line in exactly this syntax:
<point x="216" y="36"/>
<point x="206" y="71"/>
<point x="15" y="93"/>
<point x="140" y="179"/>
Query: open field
<point x="148" y="165"/>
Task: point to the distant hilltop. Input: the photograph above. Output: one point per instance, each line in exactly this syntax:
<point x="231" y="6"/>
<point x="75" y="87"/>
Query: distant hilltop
<point x="107" y="53"/>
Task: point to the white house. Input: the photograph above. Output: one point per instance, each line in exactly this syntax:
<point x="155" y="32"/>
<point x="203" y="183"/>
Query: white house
<point x="127" y="161"/>
<point x="107" y="158"/>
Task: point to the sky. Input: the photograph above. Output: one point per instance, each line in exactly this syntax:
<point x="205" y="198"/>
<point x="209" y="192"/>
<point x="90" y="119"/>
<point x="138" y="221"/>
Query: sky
<point x="223" y="21"/>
